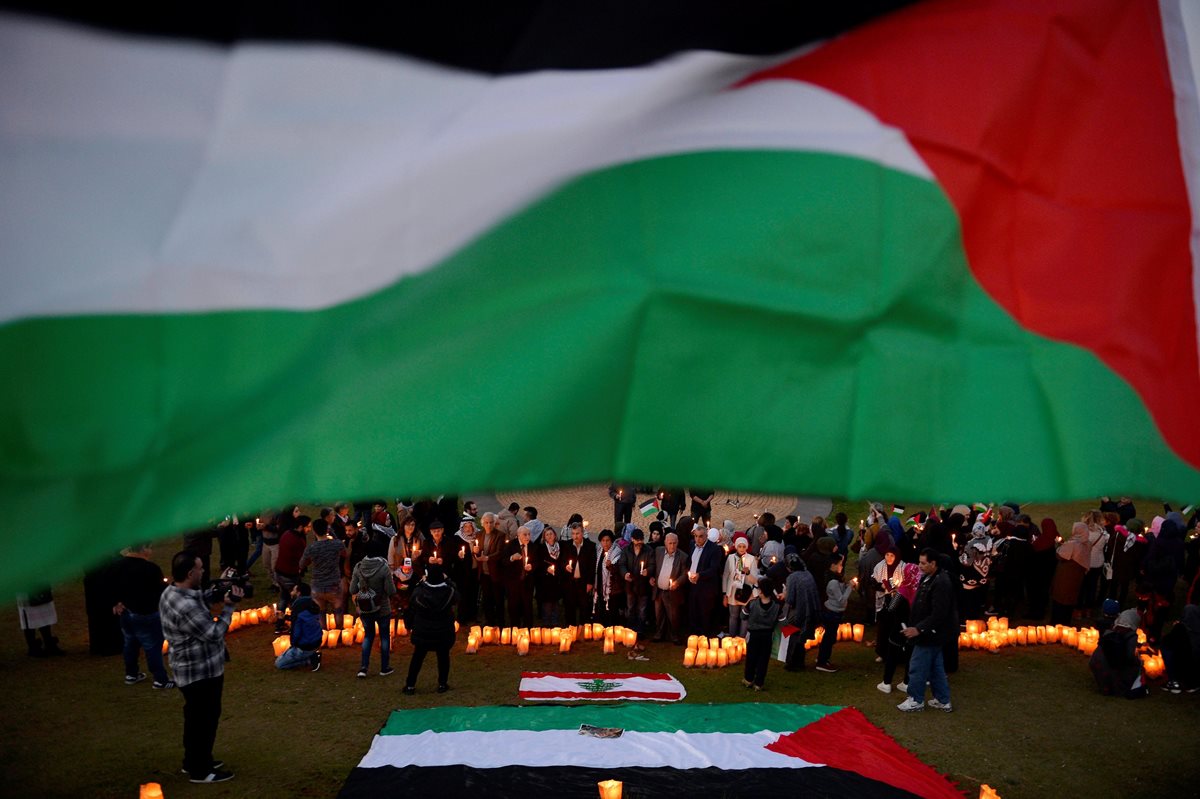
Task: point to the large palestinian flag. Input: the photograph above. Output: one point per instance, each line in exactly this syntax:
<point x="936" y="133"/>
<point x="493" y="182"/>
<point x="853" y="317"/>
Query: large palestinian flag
<point x="946" y="252"/>
<point x="739" y="750"/>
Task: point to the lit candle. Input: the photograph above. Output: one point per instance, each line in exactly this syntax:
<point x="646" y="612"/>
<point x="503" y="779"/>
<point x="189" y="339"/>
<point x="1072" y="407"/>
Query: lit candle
<point x="462" y="553"/>
<point x="610" y="789"/>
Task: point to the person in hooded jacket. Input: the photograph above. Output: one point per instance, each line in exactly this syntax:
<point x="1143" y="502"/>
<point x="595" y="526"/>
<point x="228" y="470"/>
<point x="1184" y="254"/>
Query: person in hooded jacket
<point x="306" y="632"/>
<point x="430" y="621"/>
<point x="371" y="588"/>
<point x="803" y="609"/>
<point x="1162" y="567"/>
<point x="1181" y="653"/>
<point x="1129" y="546"/>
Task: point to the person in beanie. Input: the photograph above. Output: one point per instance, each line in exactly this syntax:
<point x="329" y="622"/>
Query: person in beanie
<point x="1115" y="664"/>
<point x="931" y="622"/>
<point x="761" y="614"/>
<point x="430" y="620"/>
<point x="371" y="588"/>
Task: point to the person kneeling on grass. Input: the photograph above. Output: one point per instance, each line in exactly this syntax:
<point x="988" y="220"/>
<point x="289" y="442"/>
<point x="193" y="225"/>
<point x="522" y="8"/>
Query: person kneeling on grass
<point x="761" y="615"/>
<point x="430" y="619"/>
<point x="306" y="631"/>
<point x="837" y="595"/>
<point x="1115" y="664"/>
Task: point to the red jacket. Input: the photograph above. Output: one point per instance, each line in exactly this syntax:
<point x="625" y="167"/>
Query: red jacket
<point x="291" y="549"/>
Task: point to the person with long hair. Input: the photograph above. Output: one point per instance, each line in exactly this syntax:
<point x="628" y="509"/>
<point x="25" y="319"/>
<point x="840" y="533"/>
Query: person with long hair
<point x="895" y="649"/>
<point x="548" y="578"/>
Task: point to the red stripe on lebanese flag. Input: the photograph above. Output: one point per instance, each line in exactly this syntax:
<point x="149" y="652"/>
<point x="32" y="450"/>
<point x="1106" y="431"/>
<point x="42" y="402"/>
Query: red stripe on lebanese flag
<point x="592" y="686"/>
<point x="1051" y="125"/>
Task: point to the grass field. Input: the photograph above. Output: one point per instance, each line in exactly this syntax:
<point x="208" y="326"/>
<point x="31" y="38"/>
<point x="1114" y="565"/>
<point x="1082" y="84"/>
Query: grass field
<point x="1027" y="721"/>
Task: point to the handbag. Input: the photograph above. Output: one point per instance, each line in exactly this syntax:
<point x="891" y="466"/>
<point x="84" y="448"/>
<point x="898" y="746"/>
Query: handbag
<point x="743" y="594"/>
<point x="364" y="600"/>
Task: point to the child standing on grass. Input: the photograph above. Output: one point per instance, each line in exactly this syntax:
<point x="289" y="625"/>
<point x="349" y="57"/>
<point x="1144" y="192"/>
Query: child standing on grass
<point x="837" y="595"/>
<point x="761" y="615"/>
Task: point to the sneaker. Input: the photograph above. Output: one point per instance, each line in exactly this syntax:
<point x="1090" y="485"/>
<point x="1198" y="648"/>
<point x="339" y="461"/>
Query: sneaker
<point x="886" y="687"/>
<point x="410" y="690"/>
<point x="936" y="705"/>
<point x="902" y="687"/>
<point x="443" y="689"/>
<point x="1193" y="689"/>
<point x="167" y="684"/>
<point x="362" y="674"/>
<point x="216" y="766"/>
<point x="911" y="705"/>
<point x="315" y="660"/>
<point x="1173" y="687"/>
<point x="747" y="684"/>
<point x="828" y="668"/>
<point x="134" y="680"/>
<point x="386" y="672"/>
<point x="216" y="775"/>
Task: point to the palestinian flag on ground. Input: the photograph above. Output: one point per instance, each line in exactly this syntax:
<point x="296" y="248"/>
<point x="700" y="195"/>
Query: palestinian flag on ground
<point x="233" y="239"/>
<point x="651" y="508"/>
<point x="737" y="750"/>
<point x="538" y="686"/>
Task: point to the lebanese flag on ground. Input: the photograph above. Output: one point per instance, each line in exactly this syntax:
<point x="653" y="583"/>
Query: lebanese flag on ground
<point x="539" y="686"/>
<point x="223" y="255"/>
<point x="736" y="750"/>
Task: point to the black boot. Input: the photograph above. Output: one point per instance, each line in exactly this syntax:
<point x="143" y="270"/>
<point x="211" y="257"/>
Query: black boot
<point x="35" y="646"/>
<point x="51" y="642"/>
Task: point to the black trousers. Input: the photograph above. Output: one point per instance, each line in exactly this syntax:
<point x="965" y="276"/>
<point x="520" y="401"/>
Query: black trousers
<point x="668" y="611"/>
<point x="520" y="603"/>
<point x="418" y="658"/>
<point x="577" y="603"/>
<point x="622" y="515"/>
<point x="201" y="713"/>
<point x="758" y="655"/>
<point x="492" y="589"/>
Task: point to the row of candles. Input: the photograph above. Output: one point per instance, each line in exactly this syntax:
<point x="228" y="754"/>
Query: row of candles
<point x="713" y="653"/>
<point x="562" y="637"/>
<point x="996" y="633"/>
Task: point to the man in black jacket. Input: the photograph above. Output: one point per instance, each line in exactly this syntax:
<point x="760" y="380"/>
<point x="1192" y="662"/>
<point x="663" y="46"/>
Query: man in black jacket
<point x="579" y="570"/>
<point x="930" y="624"/>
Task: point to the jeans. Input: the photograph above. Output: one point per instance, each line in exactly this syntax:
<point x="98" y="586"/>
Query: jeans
<point x="830" y="621"/>
<point x="294" y="658"/>
<point x="370" y="620"/>
<point x="201" y="714"/>
<point x="143" y="632"/>
<point x="926" y="666"/>
<point x="257" y="553"/>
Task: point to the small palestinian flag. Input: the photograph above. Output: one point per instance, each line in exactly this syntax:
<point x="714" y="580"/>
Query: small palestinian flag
<point x="590" y="686"/>
<point x="898" y="510"/>
<point x="980" y="506"/>
<point x="743" y="749"/>
<point x="651" y="508"/>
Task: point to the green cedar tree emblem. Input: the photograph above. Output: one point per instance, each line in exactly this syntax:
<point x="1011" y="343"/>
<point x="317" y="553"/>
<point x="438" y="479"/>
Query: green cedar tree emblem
<point x="598" y="686"/>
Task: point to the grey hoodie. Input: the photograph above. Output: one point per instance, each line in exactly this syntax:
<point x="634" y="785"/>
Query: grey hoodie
<point x="372" y="573"/>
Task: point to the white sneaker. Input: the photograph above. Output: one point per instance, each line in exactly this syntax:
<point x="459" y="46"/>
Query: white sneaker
<point x="902" y="687"/>
<point x="936" y="705"/>
<point x="911" y="705"/>
<point x="886" y="687"/>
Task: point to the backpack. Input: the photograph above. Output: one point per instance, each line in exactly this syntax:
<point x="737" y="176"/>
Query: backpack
<point x="366" y="601"/>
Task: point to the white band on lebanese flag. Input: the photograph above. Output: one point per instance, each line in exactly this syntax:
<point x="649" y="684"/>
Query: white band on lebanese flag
<point x="558" y="686"/>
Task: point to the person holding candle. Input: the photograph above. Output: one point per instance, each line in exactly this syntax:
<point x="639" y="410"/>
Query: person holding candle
<point x="548" y="581"/>
<point x="624" y="498"/>
<point x="837" y="595"/>
<point x="461" y="569"/>
<point x="491" y="579"/>
<point x="892" y="647"/>
<point x="430" y="620"/>
<point x="738" y="583"/>
<point x="579" y="553"/>
<point x="520" y="562"/>
<point x="634" y="567"/>
<point x="306" y="634"/>
<point x="1074" y="559"/>
<point x="761" y="614"/>
<point x="670" y="589"/>
<point x="610" y="588"/>
<point x="704" y="575"/>
<point x="702" y="505"/>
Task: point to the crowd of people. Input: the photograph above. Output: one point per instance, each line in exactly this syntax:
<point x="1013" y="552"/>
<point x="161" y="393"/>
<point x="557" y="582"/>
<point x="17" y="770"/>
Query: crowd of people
<point x="432" y="563"/>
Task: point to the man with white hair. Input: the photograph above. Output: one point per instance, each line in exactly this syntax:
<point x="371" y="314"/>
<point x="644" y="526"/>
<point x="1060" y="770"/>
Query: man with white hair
<point x="491" y="578"/>
<point x="670" y="585"/>
<point x="704" y="575"/>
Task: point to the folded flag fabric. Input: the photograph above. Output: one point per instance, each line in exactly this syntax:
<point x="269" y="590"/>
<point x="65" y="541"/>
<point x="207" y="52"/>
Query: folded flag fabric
<point x="318" y="226"/>
<point x="725" y="750"/>
<point x="650" y="508"/>
<point x="540" y="686"/>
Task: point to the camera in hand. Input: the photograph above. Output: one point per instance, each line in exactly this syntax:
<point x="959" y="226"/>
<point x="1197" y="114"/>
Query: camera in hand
<point x="222" y="585"/>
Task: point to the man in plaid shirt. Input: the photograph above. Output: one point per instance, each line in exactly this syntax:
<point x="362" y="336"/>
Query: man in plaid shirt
<point x="197" y="656"/>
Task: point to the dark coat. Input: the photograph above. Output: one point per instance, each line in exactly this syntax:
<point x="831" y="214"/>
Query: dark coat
<point x="585" y="556"/>
<point x="933" y="611"/>
<point x="430" y="615"/>
<point x="514" y="570"/>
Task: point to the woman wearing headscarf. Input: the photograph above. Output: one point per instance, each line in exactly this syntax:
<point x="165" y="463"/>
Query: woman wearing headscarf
<point x="461" y="569"/>
<point x="1041" y="567"/>
<point x="1073" y="562"/>
<point x="975" y="563"/>
<point x="867" y="561"/>
<point x="737" y="583"/>
<point x="893" y="648"/>
<point x="1089" y="592"/>
<point x="1129" y="548"/>
<point x="1162" y="566"/>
